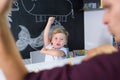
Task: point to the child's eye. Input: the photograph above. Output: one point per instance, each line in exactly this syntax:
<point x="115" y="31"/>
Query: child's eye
<point x="56" y="38"/>
<point x="61" y="39"/>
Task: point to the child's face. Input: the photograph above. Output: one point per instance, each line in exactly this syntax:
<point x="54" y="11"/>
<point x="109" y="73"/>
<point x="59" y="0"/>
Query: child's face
<point x="59" y="40"/>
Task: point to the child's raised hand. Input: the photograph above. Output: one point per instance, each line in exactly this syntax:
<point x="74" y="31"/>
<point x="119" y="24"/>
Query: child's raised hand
<point x="51" y="20"/>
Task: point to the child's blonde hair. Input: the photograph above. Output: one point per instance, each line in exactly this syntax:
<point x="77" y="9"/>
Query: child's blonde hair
<point x="60" y="30"/>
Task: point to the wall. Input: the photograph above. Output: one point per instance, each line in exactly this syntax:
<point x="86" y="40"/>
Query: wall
<point x="96" y="32"/>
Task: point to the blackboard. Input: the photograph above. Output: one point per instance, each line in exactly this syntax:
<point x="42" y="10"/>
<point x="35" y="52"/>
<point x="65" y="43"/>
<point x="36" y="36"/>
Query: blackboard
<point x="28" y="19"/>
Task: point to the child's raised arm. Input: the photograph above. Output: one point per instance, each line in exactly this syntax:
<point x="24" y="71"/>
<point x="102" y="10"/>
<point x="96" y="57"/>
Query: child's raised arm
<point x="47" y="29"/>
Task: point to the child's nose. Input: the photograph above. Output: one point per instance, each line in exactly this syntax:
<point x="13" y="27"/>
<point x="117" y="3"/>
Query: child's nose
<point x="58" y="40"/>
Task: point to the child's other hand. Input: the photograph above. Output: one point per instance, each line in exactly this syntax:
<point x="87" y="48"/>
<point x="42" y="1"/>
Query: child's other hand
<point x="43" y="50"/>
<point x="104" y="49"/>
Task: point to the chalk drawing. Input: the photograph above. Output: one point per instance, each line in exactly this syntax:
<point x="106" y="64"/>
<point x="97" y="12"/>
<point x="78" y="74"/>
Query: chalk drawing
<point x="40" y="17"/>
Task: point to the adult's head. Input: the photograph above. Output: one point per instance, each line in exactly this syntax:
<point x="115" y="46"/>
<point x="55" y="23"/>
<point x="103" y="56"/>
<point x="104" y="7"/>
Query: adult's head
<point x="112" y="16"/>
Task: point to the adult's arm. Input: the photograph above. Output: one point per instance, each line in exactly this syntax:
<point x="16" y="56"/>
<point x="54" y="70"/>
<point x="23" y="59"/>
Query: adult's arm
<point x="10" y="60"/>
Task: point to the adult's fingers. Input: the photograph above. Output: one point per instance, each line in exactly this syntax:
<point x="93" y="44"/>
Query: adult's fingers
<point x="5" y="6"/>
<point x="104" y="49"/>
